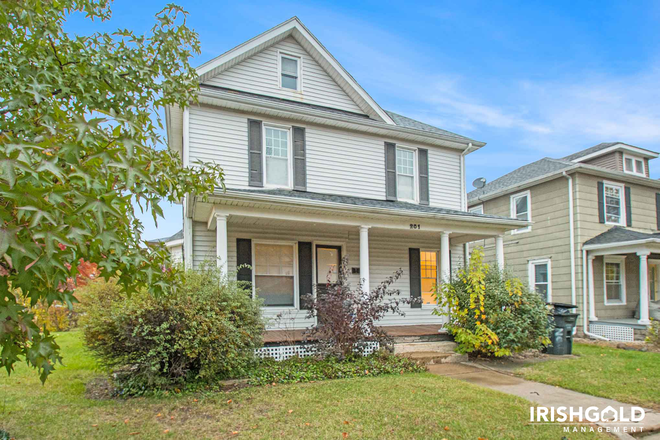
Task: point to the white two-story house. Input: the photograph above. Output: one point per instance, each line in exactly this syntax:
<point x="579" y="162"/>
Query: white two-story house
<point x="316" y="170"/>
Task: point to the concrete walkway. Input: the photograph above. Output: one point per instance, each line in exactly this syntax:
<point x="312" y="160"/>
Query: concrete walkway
<point x="545" y="395"/>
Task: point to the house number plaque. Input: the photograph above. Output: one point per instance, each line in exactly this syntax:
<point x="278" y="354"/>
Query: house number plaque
<point x="415" y="226"/>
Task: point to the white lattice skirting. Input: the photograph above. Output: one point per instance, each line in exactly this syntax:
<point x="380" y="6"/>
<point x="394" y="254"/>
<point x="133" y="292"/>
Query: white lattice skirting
<point x="613" y="332"/>
<point x="283" y="352"/>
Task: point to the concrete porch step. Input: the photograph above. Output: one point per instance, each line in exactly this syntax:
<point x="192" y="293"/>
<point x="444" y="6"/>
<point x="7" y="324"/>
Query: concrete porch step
<point x="428" y="357"/>
<point x="435" y="347"/>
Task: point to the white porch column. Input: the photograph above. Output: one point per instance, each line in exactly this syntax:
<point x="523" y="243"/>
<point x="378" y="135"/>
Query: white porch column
<point x="643" y="288"/>
<point x="499" y="251"/>
<point x="444" y="257"/>
<point x="592" y="296"/>
<point x="221" y="240"/>
<point x="364" y="258"/>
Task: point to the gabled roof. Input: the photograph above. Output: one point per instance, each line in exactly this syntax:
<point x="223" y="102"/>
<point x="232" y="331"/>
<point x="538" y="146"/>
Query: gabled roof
<point x="606" y="148"/>
<point x="542" y="167"/>
<point x="404" y="121"/>
<point x="619" y="234"/>
<point x="293" y="27"/>
<point x="177" y="236"/>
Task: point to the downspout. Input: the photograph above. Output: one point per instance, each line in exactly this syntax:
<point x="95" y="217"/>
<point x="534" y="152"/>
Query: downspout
<point x="464" y="205"/>
<point x="571" y="235"/>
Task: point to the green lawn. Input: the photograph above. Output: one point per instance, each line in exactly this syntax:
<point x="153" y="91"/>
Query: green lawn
<point x="624" y="375"/>
<point x="393" y="407"/>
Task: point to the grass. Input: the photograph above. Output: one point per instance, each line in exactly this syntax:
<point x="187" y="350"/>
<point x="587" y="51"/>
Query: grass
<point x="624" y="375"/>
<point x="395" y="407"/>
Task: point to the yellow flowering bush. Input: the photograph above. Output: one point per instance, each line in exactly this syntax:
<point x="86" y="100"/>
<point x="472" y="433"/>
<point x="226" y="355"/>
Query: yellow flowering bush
<point x="490" y="312"/>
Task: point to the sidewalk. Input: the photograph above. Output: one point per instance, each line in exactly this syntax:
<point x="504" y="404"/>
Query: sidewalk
<point x="542" y="394"/>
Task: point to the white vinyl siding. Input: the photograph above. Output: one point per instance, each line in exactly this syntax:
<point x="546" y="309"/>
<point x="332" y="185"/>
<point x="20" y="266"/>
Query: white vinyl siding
<point x="338" y="162"/>
<point x="261" y="74"/>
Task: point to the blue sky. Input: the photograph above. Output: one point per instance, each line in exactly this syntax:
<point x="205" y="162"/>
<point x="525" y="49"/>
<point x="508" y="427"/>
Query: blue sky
<point x="532" y="79"/>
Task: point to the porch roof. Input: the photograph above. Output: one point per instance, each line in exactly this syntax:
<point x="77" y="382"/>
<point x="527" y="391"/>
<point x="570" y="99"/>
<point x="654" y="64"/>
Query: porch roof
<point x="619" y="235"/>
<point x="361" y="202"/>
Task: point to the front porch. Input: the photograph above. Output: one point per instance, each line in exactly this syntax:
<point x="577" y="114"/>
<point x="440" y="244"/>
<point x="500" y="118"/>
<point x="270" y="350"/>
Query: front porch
<point x="400" y="333"/>
<point x="623" y="279"/>
<point x="287" y="247"/>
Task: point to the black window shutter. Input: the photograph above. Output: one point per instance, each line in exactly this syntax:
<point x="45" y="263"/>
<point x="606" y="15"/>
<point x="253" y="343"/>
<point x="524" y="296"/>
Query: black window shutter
<point x="255" y="153"/>
<point x="601" y="203"/>
<point x="423" y="155"/>
<point x="390" y="171"/>
<point x="628" y="207"/>
<point x="305" y="272"/>
<point x="244" y="258"/>
<point x="299" y="159"/>
<point x="415" y="278"/>
<point x="657" y="209"/>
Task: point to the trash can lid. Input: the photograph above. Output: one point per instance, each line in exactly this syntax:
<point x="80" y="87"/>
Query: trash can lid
<point x="564" y="305"/>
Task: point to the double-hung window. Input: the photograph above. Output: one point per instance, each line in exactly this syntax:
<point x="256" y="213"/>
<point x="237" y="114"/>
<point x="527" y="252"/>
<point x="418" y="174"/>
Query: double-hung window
<point x="540" y="278"/>
<point x="614" y="205"/>
<point x="633" y="165"/>
<point x="289" y="72"/>
<point x="274" y="276"/>
<point x="277" y="157"/>
<point x="479" y="209"/>
<point x="405" y="174"/>
<point x="615" y="280"/>
<point x="521" y="209"/>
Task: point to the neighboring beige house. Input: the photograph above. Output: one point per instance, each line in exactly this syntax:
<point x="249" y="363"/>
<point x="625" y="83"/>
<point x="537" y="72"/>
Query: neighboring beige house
<point x="594" y="236"/>
<point x="316" y="170"/>
<point x="174" y="244"/>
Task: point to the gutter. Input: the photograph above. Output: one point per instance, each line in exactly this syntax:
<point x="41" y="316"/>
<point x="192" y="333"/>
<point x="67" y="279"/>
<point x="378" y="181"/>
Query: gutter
<point x="473" y="218"/>
<point x="464" y="153"/>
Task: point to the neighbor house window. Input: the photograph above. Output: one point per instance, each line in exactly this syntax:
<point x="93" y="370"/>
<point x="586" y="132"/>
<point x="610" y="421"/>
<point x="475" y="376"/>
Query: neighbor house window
<point x="613" y="203"/>
<point x="521" y="209"/>
<point x="479" y="209"/>
<point x="274" y="275"/>
<point x="633" y="165"/>
<point x="405" y="174"/>
<point x="615" y="281"/>
<point x="277" y="157"/>
<point x="429" y="269"/>
<point x="540" y="278"/>
<point x="289" y="72"/>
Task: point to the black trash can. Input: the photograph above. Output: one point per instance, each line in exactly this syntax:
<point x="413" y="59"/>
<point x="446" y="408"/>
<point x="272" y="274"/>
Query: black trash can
<point x="564" y="320"/>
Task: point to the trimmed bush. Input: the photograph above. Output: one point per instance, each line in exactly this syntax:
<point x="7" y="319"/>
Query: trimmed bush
<point x="653" y="334"/>
<point x="309" y="369"/>
<point x="492" y="313"/>
<point x="206" y="330"/>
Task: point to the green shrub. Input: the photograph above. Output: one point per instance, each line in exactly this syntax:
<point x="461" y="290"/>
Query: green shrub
<point x="206" y="330"/>
<point x="492" y="313"/>
<point x="653" y="334"/>
<point x="312" y="369"/>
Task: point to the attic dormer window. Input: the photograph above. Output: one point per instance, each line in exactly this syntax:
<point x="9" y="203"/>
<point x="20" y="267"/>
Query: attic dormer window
<point x="289" y="72"/>
<point x="633" y="165"/>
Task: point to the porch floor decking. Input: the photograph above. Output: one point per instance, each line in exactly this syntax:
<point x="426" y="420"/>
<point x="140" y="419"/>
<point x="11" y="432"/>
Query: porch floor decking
<point x="396" y="331"/>
<point x="625" y="322"/>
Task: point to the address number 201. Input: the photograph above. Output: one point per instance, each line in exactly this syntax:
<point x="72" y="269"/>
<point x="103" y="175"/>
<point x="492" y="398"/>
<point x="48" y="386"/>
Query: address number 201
<point x="415" y="226"/>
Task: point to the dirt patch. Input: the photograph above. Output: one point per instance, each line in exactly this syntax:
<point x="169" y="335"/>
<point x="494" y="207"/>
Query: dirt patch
<point x="99" y="388"/>
<point x="636" y="345"/>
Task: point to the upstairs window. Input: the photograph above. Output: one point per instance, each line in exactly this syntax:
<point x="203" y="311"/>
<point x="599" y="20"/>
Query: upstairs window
<point x="405" y="174"/>
<point x="277" y="167"/>
<point x="634" y="165"/>
<point x="613" y="204"/>
<point x="521" y="209"/>
<point x="289" y="72"/>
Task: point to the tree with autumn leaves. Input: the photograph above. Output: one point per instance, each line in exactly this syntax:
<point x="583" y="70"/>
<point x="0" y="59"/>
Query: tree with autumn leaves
<point x="80" y="153"/>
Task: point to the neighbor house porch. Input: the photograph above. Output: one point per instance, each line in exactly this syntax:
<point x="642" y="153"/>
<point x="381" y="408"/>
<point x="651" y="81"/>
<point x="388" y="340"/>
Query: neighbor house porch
<point x="288" y="245"/>
<point x="623" y="276"/>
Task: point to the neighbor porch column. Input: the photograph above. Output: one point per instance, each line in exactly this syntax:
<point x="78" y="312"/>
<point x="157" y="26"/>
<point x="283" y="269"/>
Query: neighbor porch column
<point x="499" y="251"/>
<point x="592" y="296"/>
<point x="221" y="240"/>
<point x="643" y="288"/>
<point x="364" y="257"/>
<point x="444" y="257"/>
